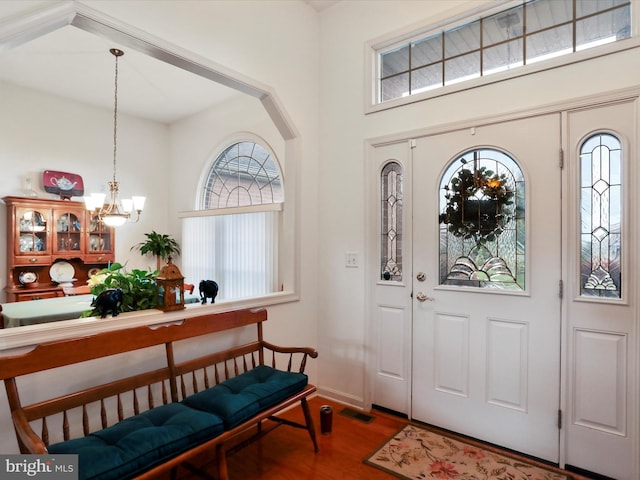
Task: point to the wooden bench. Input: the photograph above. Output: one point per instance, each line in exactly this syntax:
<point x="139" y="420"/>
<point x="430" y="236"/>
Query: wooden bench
<point x="158" y="420"/>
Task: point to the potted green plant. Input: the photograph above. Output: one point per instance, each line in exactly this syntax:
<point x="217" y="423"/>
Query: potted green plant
<point x="160" y="245"/>
<point x="139" y="288"/>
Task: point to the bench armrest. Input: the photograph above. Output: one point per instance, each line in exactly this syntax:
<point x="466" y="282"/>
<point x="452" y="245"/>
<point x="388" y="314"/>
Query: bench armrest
<point x="291" y="351"/>
<point x="29" y="441"/>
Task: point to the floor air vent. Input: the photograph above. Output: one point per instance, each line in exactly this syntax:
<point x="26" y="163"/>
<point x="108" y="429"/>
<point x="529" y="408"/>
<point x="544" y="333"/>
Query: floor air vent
<point x="362" y="417"/>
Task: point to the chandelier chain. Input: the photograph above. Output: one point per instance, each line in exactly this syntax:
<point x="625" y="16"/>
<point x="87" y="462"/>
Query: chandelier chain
<point x="115" y="213"/>
<point x="115" y="120"/>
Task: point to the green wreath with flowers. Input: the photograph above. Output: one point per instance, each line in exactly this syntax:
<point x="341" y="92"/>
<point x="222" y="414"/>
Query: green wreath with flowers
<point x="479" y="205"/>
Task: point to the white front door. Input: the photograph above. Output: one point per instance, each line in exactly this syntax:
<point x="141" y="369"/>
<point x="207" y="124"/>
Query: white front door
<point x="486" y="361"/>
<point x="601" y="308"/>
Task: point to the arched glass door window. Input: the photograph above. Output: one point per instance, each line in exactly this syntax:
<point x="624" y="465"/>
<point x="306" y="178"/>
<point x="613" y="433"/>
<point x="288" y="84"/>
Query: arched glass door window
<point x="601" y="216"/>
<point x="482" y="222"/>
<point x="391" y="224"/>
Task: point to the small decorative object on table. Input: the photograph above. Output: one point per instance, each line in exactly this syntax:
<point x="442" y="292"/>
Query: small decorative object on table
<point x="208" y="289"/>
<point x="109" y="300"/>
<point x="170" y="287"/>
<point x="65" y="184"/>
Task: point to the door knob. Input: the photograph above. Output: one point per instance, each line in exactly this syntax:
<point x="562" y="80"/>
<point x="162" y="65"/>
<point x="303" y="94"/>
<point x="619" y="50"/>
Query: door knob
<point x="422" y="297"/>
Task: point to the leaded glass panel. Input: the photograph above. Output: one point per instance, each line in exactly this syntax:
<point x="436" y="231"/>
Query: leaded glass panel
<point x="391" y="225"/>
<point x="601" y="216"/>
<point x="482" y="222"/>
<point x="244" y="174"/>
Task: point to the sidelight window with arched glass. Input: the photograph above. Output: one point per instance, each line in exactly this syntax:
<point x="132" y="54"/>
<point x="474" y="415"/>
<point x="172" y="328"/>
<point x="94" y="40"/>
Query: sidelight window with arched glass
<point x="601" y="216"/>
<point x="482" y="221"/>
<point x="391" y="179"/>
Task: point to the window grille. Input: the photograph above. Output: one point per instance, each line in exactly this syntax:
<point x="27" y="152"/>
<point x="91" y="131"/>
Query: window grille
<point x="243" y="174"/>
<point x="530" y="32"/>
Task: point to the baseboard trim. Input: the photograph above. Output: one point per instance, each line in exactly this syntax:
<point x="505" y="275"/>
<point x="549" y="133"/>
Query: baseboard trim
<point x="341" y="397"/>
<point x="586" y="473"/>
<point x="389" y="411"/>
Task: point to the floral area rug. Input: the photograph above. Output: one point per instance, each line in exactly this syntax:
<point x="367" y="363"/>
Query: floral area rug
<point x="417" y="453"/>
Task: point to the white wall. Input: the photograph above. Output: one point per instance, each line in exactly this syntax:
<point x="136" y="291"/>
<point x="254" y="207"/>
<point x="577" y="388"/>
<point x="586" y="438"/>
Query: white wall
<point x="316" y="65"/>
<point x="41" y="132"/>
<point x="345" y="29"/>
<point x="274" y="43"/>
<point x="196" y="140"/>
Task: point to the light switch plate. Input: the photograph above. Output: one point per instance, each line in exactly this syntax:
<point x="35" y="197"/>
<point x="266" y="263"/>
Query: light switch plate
<point x="351" y="259"/>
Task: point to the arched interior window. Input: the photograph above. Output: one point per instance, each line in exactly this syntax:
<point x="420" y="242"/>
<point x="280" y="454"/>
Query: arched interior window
<point x="243" y="174"/>
<point x="391" y="222"/>
<point x="601" y="216"/>
<point x="482" y="222"/>
<point x="234" y="241"/>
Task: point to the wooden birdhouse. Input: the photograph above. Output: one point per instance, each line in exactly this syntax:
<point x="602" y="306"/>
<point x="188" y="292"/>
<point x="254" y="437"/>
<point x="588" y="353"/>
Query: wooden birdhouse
<point x="171" y="288"/>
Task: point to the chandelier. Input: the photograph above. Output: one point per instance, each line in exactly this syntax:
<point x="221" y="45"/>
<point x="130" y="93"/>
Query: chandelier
<point x="116" y="212"/>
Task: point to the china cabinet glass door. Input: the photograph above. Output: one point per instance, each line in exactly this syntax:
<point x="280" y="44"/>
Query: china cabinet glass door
<point x="67" y="228"/>
<point x="32" y="232"/>
<point x="100" y="239"/>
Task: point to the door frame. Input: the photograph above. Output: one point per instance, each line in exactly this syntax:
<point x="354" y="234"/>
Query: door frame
<point x="371" y="250"/>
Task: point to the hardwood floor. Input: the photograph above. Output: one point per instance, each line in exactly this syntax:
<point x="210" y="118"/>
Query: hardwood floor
<point x="287" y="453"/>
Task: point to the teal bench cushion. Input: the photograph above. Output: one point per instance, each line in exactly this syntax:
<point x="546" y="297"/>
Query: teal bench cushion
<point x="140" y="442"/>
<point x="239" y="398"/>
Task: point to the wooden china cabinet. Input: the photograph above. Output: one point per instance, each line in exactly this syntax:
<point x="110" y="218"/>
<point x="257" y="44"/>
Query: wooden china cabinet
<point x="51" y="243"/>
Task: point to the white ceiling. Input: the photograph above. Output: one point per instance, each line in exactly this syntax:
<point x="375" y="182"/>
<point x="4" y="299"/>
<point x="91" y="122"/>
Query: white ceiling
<point x="75" y="64"/>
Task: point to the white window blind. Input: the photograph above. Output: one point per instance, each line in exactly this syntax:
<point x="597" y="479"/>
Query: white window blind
<point x="238" y="251"/>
